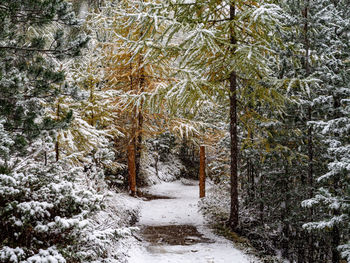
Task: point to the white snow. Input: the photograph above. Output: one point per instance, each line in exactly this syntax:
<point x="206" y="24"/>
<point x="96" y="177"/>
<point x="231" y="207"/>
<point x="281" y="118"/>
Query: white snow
<point x="182" y="210"/>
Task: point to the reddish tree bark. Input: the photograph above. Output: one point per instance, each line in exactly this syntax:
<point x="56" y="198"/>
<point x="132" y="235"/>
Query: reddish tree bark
<point x="132" y="169"/>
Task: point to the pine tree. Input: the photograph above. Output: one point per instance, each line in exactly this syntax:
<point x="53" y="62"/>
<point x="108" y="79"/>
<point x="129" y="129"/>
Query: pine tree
<point x="314" y="59"/>
<point x="331" y="18"/>
<point x="27" y="80"/>
<point x="41" y="210"/>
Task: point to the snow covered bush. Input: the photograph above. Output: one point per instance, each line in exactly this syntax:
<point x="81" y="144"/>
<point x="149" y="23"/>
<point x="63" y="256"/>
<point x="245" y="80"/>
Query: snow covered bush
<point x="106" y="237"/>
<point x="333" y="196"/>
<point x="42" y="212"/>
<point x="216" y="205"/>
<point x="5" y="142"/>
<point x="163" y="145"/>
<point x="160" y="160"/>
<point x="47" y="203"/>
<point x="216" y="209"/>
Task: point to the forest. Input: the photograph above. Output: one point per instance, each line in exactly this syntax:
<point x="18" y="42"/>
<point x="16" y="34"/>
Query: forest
<point x="113" y="111"/>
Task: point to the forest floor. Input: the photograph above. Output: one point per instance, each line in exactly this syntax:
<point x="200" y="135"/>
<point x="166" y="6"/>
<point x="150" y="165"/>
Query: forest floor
<point x="173" y="230"/>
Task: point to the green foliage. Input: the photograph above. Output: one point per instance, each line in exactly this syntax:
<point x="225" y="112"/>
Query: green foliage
<point x="30" y="46"/>
<point x="42" y="209"/>
<point x="312" y="111"/>
<point x="163" y="145"/>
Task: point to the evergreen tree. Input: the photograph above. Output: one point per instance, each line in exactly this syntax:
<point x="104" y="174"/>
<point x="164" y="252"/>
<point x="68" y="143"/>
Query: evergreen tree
<point x="41" y="210"/>
<point x="29" y="48"/>
<point x="314" y="60"/>
<point x="283" y="154"/>
<point x="331" y="120"/>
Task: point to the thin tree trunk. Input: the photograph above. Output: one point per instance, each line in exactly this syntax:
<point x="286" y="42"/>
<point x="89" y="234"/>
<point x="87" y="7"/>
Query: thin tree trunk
<point x="57" y="149"/>
<point x="57" y="144"/>
<point x="310" y="185"/>
<point x="309" y="132"/>
<point x="92" y="123"/>
<point x="132" y="144"/>
<point x="45" y="157"/>
<point x="309" y="114"/>
<point x="252" y="172"/>
<point x="156" y="160"/>
<point x="132" y="169"/>
<point x="300" y="247"/>
<point x="140" y="121"/>
<point x="202" y="172"/>
<point x="139" y="145"/>
<point x="193" y="154"/>
<point x="336" y="238"/>
<point x="233" y="220"/>
<point x="335" y="244"/>
<point x="250" y="181"/>
<point x="261" y="202"/>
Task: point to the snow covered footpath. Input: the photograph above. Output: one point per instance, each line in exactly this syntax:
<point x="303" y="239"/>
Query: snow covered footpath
<point x="182" y="209"/>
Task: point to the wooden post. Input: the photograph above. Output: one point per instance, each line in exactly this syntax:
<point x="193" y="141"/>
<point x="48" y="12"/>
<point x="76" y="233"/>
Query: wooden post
<point x="202" y="172"/>
<point x="132" y="169"/>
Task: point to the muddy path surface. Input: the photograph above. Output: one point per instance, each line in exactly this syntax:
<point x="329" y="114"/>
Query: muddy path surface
<point x="172" y="230"/>
<point x="184" y="235"/>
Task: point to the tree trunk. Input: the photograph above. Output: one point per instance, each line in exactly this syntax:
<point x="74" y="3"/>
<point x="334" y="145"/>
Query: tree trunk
<point x="91" y="99"/>
<point x="233" y="221"/>
<point x="132" y="169"/>
<point x="45" y="158"/>
<point x="309" y="113"/>
<point x="57" y="149"/>
<point x="138" y="143"/>
<point x="285" y="213"/>
<point x="57" y="144"/>
<point x="250" y="181"/>
<point x="140" y="121"/>
<point x="310" y="182"/>
<point x="132" y="147"/>
<point x="261" y="203"/>
<point x="132" y="144"/>
<point x="300" y="247"/>
<point x="335" y="244"/>
<point x="156" y="160"/>
<point x="309" y="132"/>
<point x="202" y="172"/>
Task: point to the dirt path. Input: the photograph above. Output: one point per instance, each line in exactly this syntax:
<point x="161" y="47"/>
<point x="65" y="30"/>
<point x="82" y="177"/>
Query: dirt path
<point x="173" y="231"/>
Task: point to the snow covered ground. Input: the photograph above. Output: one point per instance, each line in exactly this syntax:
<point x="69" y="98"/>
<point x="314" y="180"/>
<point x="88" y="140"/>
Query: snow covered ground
<point x="180" y="211"/>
